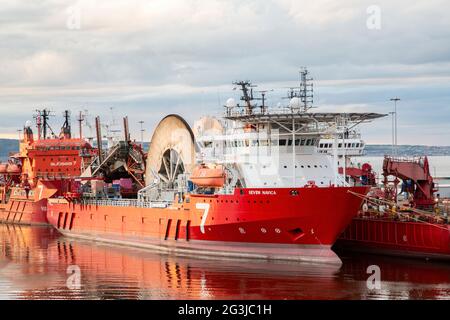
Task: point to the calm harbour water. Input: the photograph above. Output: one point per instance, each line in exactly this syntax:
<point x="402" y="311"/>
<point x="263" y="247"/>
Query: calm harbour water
<point x="34" y="264"/>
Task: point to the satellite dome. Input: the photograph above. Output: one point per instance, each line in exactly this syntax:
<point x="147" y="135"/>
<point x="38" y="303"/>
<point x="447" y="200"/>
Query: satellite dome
<point x="295" y="103"/>
<point x="28" y="124"/>
<point x="231" y="103"/>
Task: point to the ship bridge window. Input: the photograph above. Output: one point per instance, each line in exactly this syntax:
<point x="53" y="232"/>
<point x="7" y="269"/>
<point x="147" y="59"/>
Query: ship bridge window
<point x="289" y="142"/>
<point x="282" y="142"/>
<point x="353" y="145"/>
<point x="208" y="144"/>
<point x="340" y="145"/>
<point x="297" y="142"/>
<point x="302" y="142"/>
<point x="308" y="142"/>
<point x="321" y="145"/>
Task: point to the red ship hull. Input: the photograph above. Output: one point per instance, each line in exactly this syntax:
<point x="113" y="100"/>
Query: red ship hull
<point x="252" y="223"/>
<point x="23" y="209"/>
<point x="399" y="238"/>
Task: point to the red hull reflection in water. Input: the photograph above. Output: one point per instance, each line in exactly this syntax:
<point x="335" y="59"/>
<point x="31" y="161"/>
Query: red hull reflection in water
<point x="34" y="262"/>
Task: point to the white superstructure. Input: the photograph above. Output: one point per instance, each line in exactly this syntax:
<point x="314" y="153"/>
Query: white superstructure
<point x="280" y="147"/>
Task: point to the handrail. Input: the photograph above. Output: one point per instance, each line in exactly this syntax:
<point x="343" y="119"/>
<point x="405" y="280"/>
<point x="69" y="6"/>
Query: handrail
<point x="126" y="203"/>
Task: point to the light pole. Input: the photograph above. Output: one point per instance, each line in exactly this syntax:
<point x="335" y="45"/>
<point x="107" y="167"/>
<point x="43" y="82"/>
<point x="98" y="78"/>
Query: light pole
<point x="395" y="117"/>
<point x="142" y="132"/>
<point x="393" y="132"/>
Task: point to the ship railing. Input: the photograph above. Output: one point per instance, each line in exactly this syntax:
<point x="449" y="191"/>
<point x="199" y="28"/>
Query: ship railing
<point x="127" y="203"/>
<point x="274" y="110"/>
<point x="412" y="159"/>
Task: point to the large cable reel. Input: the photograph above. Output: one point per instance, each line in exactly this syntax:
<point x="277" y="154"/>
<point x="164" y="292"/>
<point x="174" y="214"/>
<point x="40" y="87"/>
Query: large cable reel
<point x="171" y="152"/>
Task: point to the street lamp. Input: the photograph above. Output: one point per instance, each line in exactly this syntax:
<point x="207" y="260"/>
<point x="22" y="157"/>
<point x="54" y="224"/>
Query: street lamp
<point x="393" y="132"/>
<point x="142" y="132"/>
<point x="395" y="122"/>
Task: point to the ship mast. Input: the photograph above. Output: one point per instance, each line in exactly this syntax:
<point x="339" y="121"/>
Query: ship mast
<point x="66" y="131"/>
<point x="80" y="123"/>
<point x="247" y="95"/>
<point x="42" y="117"/>
<point x="306" y="92"/>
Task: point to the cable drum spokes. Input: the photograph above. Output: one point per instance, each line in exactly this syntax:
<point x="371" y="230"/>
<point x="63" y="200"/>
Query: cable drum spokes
<point x="171" y="166"/>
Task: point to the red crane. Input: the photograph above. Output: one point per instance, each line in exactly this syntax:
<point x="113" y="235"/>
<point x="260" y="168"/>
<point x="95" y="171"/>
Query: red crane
<point x="416" y="177"/>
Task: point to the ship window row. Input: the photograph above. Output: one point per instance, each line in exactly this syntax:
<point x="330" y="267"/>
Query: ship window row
<point x="308" y="166"/>
<point x="60" y="170"/>
<point x="59" y="159"/>
<point x="264" y="143"/>
<point x="346" y="145"/>
<point x="58" y="148"/>
<point x="247" y="143"/>
<point x="298" y="142"/>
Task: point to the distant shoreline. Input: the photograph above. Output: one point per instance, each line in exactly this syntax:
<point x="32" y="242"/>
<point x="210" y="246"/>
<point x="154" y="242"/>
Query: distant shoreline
<point x="8" y="146"/>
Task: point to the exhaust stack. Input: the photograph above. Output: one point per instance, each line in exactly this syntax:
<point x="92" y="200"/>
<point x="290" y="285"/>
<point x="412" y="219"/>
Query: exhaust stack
<point x="99" y="139"/>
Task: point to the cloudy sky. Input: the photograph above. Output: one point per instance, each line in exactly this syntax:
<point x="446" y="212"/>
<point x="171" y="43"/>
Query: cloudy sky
<point x="149" y="58"/>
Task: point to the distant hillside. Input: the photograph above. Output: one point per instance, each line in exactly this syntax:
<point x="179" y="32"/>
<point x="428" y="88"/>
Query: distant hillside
<point x="407" y="150"/>
<point x="7" y="146"/>
<point x="372" y="150"/>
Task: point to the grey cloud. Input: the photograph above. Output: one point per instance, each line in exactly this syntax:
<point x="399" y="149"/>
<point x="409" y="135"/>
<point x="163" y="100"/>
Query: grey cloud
<point x="127" y="51"/>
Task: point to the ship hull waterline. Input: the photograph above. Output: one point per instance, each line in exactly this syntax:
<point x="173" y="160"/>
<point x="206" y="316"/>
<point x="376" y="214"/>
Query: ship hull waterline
<point x="24" y="212"/>
<point x="270" y="224"/>
<point x="397" y="238"/>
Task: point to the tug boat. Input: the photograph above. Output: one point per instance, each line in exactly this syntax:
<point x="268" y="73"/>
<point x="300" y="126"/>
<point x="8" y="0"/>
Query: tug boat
<point x="37" y="171"/>
<point x="249" y="185"/>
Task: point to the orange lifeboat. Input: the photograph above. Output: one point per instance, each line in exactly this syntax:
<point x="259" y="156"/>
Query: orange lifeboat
<point x="204" y="176"/>
<point x="3" y="168"/>
<point x="13" y="169"/>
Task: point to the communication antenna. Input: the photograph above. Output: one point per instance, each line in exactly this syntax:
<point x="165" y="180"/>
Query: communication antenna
<point x="263" y="99"/>
<point x="80" y="120"/>
<point x="66" y="130"/>
<point x="306" y="93"/>
<point x="142" y="132"/>
<point x="87" y="122"/>
<point x="42" y="117"/>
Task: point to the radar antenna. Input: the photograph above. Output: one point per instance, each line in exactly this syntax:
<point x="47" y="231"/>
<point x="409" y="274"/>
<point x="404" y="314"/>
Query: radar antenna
<point x="247" y="95"/>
